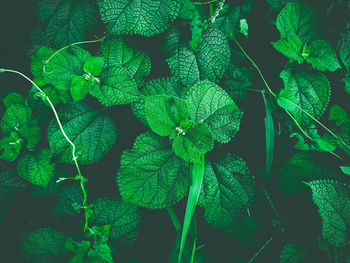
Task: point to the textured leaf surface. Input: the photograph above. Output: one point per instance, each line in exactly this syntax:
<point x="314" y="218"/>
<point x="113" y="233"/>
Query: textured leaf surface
<point x="151" y="175"/>
<point x="301" y="167"/>
<point x="143" y="17"/>
<point x="36" y="168"/>
<point x="93" y="133"/>
<point x="321" y="55"/>
<point x="293" y="253"/>
<point x="119" y="52"/>
<point x="228" y="20"/>
<point x="38" y="60"/>
<point x="15" y="117"/>
<point x="312" y="93"/>
<point x="210" y="104"/>
<point x="165" y="113"/>
<point x="13" y="98"/>
<point x="344" y="51"/>
<point x="333" y="201"/>
<point x="298" y="19"/>
<point x="10" y="183"/>
<point x="116" y="87"/>
<point x="44" y="242"/>
<point x="66" y="198"/>
<point x="65" y="66"/>
<point x="290" y="46"/>
<point x="190" y="67"/>
<point x="196" y="141"/>
<point x="67" y="21"/>
<point x="124" y="219"/>
<point x="228" y="191"/>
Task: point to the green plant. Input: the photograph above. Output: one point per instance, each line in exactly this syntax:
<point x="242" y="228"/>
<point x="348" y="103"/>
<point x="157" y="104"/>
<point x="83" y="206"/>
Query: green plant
<point x="191" y="118"/>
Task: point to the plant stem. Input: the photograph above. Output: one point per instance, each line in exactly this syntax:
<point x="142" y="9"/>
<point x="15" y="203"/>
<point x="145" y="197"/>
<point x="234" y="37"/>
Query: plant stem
<point x="204" y="3"/>
<point x="259" y="251"/>
<point x="195" y="237"/>
<point x="174" y="219"/>
<point x="211" y="9"/>
<point x="272" y="205"/>
<point x="74" y="158"/>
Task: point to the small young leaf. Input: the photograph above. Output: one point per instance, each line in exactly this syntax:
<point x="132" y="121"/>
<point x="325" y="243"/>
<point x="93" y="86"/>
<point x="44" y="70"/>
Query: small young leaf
<point x="345" y="169"/>
<point x="36" y="168"/>
<point x="80" y="88"/>
<point x="165" y="113"/>
<point x="10" y="147"/>
<point x="93" y="66"/>
<point x="337" y="114"/>
<point x="243" y="27"/>
<point x="13" y="98"/>
<point x="38" y="60"/>
<point x="321" y="55"/>
<point x="293" y="253"/>
<point x="284" y="99"/>
<point x="15" y="117"/>
<point x="31" y="133"/>
<point x="325" y="145"/>
<point x="291" y="47"/>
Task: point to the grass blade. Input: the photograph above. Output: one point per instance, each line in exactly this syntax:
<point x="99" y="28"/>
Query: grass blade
<point x="270" y="137"/>
<point x="197" y="178"/>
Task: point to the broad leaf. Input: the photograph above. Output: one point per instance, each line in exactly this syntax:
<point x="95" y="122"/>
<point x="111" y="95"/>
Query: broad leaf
<point x="38" y="60"/>
<point x="93" y="134"/>
<point x="151" y="175"/>
<point x="191" y="67"/>
<point x="124" y="219"/>
<point x="119" y="52"/>
<point x="299" y="168"/>
<point x="321" y="55"/>
<point x="44" y="242"/>
<point x="68" y="200"/>
<point x="332" y="199"/>
<point x="191" y="144"/>
<point x="210" y="104"/>
<point x="143" y="17"/>
<point x="116" y="87"/>
<point x="228" y="191"/>
<point x="338" y="114"/>
<point x="10" y="147"/>
<point x="291" y="47"/>
<point x="31" y="133"/>
<point x="293" y="253"/>
<point x="15" y="117"/>
<point x="312" y="93"/>
<point x="65" y="66"/>
<point x="94" y="65"/>
<point x="13" y="98"/>
<point x="164" y="113"/>
<point x="67" y="21"/>
<point x="228" y="20"/>
<point x="10" y="184"/>
<point x="80" y="88"/>
<point x="36" y="167"/>
<point x="299" y="19"/>
<point x="344" y="51"/>
<point x="286" y="99"/>
<point x="345" y="169"/>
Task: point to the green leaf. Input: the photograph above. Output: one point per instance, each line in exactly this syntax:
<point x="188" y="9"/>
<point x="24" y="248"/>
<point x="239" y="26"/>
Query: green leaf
<point x="321" y="55"/>
<point x="142" y="17"/>
<point x="200" y="255"/>
<point x="36" y="167"/>
<point x="243" y="25"/>
<point x="337" y="114"/>
<point x="80" y="88"/>
<point x="301" y="167"/>
<point x="44" y="242"/>
<point x="164" y="113"/>
<point x="210" y="104"/>
<point x="325" y="145"/>
<point x="293" y="253"/>
<point x="123" y="218"/>
<point x="31" y="133"/>
<point x="161" y="86"/>
<point x="94" y="65"/>
<point x="190" y="67"/>
<point x="197" y="27"/>
<point x="299" y="19"/>
<point x="269" y="136"/>
<point x="228" y="191"/>
<point x="196" y="141"/>
<point x="345" y="169"/>
<point x="101" y="252"/>
<point x="66" y="22"/>
<point x="10" y="147"/>
<point x="284" y="99"/>
<point x="119" y="52"/>
<point x="10" y="184"/>
<point x="332" y="200"/>
<point x="51" y="187"/>
<point x="38" y="60"/>
<point x="15" y="117"/>
<point x="93" y="133"/>
<point x="311" y="93"/>
<point x="344" y="51"/>
<point x="13" y="98"/>
<point x="65" y="66"/>
<point x="151" y="175"/>
<point x="291" y="47"/>
<point x="68" y="197"/>
<point x="228" y="20"/>
<point x="116" y="87"/>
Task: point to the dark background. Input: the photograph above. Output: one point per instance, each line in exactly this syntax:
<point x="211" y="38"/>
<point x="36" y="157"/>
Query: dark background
<point x="157" y="234"/>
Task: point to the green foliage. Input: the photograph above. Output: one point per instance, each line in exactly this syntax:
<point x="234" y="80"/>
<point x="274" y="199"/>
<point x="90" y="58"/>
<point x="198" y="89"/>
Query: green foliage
<point x="15" y="117"/>
<point x="228" y="20"/>
<point x="293" y="253"/>
<point x="13" y="98"/>
<point x="10" y="184"/>
<point x="291" y="47"/>
<point x="332" y="199"/>
<point x="68" y="200"/>
<point x="147" y="18"/>
<point x="93" y="133"/>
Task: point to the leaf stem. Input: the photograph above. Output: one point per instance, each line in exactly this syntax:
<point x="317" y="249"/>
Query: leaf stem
<point x="261" y="249"/>
<point x="272" y="205"/>
<point x="74" y="157"/>
<point x="174" y="219"/>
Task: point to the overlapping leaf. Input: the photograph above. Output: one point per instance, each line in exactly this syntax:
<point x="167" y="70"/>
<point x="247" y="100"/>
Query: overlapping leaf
<point x="293" y="253"/>
<point x="291" y="47"/>
<point x="10" y="183"/>
<point x="93" y="134"/>
<point x="15" y="117"/>
<point x="151" y="175"/>
<point x="68" y="198"/>
<point x="228" y="20"/>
